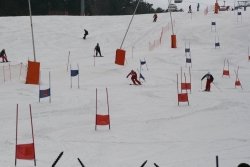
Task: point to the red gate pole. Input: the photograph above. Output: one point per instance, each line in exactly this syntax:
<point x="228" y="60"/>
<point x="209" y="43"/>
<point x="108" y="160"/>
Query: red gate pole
<point x="16" y="131"/>
<point x="96" y="110"/>
<point x="108" y="106"/>
<point x="32" y="135"/>
<point x="177" y="90"/>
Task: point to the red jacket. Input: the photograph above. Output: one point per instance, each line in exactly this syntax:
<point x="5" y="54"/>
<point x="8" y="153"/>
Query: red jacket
<point x="155" y="16"/>
<point x="133" y="73"/>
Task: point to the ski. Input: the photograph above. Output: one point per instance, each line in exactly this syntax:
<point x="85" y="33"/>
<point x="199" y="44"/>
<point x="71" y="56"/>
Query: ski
<point x="98" y="56"/>
<point x="5" y="62"/>
<point x="134" y="84"/>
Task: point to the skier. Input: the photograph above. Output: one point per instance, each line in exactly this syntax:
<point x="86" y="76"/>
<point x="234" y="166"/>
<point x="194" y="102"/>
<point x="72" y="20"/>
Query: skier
<point x="198" y="6"/>
<point x="98" y="50"/>
<point x="3" y="55"/>
<point x="155" y="17"/>
<point x="190" y="10"/>
<point x="210" y="79"/>
<point x="85" y="34"/>
<point x="134" y="77"/>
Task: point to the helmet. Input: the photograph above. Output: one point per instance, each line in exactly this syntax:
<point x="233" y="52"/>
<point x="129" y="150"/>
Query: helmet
<point x="97" y="43"/>
<point x="3" y="50"/>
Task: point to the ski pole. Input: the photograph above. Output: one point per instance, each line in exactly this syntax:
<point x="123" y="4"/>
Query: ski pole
<point x="201" y="84"/>
<point x="217" y="87"/>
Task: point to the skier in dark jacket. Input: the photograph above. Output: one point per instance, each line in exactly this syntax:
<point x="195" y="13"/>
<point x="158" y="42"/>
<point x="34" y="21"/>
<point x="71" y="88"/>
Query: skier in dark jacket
<point x="198" y="7"/>
<point x="210" y="79"/>
<point x="190" y="10"/>
<point x="3" y="55"/>
<point x="98" y="50"/>
<point x="85" y="34"/>
<point x="155" y="17"/>
<point x="134" y="77"/>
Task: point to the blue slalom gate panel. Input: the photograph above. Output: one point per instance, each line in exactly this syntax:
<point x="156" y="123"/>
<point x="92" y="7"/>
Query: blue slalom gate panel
<point x="74" y="73"/>
<point x="44" y="93"/>
<point x="188" y="60"/>
<point x="217" y="44"/>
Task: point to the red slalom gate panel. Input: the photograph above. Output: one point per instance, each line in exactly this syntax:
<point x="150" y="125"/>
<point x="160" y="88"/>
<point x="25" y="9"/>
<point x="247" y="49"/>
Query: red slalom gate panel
<point x="25" y="151"/>
<point x="226" y="72"/>
<point x="120" y="57"/>
<point x="237" y="83"/>
<point x="185" y="86"/>
<point x="183" y="97"/>
<point x="102" y="119"/>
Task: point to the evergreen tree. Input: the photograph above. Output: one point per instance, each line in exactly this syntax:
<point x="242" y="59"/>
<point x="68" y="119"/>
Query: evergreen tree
<point x="92" y="7"/>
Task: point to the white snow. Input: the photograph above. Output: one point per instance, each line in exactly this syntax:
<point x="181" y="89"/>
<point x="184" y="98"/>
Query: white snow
<point x="146" y="121"/>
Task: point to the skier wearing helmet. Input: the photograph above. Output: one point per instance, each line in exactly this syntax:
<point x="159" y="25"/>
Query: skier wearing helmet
<point x="98" y="50"/>
<point x="134" y="77"/>
<point x="85" y="34"/>
<point x="3" y="55"/>
<point x="210" y="79"/>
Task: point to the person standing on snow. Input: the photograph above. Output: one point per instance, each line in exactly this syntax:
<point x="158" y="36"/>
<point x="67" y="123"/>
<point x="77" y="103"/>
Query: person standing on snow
<point x="198" y="6"/>
<point x="134" y="77"/>
<point x="85" y="34"/>
<point x="98" y="50"/>
<point x="155" y="17"/>
<point x="210" y="79"/>
<point x="3" y="55"/>
<point x="190" y="10"/>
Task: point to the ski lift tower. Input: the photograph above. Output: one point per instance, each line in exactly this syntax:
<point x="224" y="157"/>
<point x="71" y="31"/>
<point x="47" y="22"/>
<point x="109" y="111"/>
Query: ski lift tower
<point x="243" y="4"/>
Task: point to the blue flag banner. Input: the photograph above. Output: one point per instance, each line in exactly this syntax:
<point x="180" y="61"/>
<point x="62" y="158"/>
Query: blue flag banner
<point x="213" y="23"/>
<point x="187" y="50"/>
<point x="44" y="93"/>
<point x="217" y="44"/>
<point x="188" y="60"/>
<point x="143" y="62"/>
<point x="74" y="73"/>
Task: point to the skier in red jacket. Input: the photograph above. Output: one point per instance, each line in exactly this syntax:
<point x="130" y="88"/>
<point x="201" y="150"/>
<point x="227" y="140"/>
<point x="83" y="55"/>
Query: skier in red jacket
<point x="155" y="17"/>
<point x="210" y="79"/>
<point x="3" y="56"/>
<point x="134" y="77"/>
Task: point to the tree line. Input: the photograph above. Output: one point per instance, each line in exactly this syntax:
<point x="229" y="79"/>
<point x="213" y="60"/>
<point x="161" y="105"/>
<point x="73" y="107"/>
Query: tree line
<point x="92" y="7"/>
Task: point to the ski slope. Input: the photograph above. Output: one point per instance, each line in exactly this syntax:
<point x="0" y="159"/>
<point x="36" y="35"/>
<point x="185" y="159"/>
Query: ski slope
<point x="146" y="121"/>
